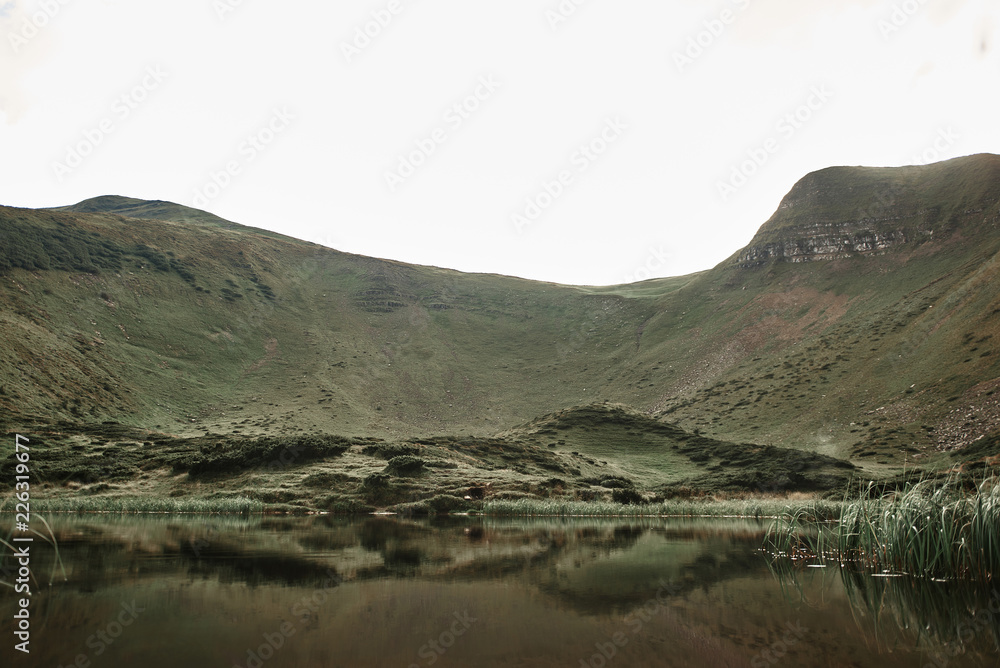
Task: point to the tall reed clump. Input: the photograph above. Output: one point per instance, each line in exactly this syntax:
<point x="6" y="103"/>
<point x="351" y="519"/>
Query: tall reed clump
<point x="795" y="535"/>
<point x="930" y="529"/>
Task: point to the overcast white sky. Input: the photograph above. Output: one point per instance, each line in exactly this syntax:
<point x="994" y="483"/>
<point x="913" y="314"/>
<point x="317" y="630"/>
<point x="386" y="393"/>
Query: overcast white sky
<point x="279" y="115"/>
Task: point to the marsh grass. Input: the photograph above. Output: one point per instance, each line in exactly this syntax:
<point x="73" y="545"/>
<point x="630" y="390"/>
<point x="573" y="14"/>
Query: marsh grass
<point x="141" y="504"/>
<point x="930" y="529"/>
<point x="51" y="540"/>
<point x="751" y="508"/>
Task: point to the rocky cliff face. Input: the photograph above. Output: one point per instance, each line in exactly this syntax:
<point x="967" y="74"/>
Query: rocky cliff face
<point x="846" y="211"/>
<point x="825" y="242"/>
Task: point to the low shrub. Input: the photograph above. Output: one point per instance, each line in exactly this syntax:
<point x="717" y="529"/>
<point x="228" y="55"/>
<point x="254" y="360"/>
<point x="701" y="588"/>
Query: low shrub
<point x="271" y="453"/>
<point x="627" y="497"/>
<point x="389" y="450"/>
<point x="404" y="465"/>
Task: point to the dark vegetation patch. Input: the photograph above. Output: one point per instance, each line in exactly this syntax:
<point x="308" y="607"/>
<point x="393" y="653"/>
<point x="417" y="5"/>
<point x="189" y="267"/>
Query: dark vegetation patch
<point x="389" y="450"/>
<point x="379" y="489"/>
<point x="112" y="452"/>
<point x="985" y="447"/>
<point x="404" y="465"/>
<point x="763" y="469"/>
<point x="25" y="244"/>
<point x="439" y="504"/>
<point x="327" y="480"/>
<point x="272" y="453"/>
<point x="602" y="416"/>
<point x="627" y="496"/>
<point x="611" y="482"/>
<point x="345" y="504"/>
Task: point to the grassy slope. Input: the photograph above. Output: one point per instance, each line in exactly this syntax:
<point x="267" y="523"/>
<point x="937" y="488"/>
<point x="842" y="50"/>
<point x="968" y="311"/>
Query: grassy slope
<point x="273" y="335"/>
<point x="664" y="457"/>
<point x="204" y="326"/>
<point x="897" y="343"/>
<point x="620" y="452"/>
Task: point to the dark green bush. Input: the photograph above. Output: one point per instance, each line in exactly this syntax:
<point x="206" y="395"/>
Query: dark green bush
<point x="388" y="451"/>
<point x="378" y="489"/>
<point x="404" y="465"/>
<point x="52" y="241"/>
<point x="440" y="504"/>
<point x="270" y="453"/>
<point x="346" y="505"/>
<point x="611" y="482"/>
<point x="627" y="496"/>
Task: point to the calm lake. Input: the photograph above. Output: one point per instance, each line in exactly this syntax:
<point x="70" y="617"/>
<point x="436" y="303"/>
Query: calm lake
<point x="151" y="591"/>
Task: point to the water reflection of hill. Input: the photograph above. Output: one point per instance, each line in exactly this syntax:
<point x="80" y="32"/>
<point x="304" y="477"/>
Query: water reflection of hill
<point x="551" y="588"/>
<point x="591" y="566"/>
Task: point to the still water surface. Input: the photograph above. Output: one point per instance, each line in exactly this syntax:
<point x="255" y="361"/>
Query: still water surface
<point x="321" y="591"/>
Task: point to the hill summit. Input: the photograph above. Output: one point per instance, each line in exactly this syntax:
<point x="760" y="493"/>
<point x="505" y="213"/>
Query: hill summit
<point x="842" y="211"/>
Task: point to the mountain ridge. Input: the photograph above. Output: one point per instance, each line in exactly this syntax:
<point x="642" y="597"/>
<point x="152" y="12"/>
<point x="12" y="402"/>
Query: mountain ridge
<point x="875" y="355"/>
<point x="131" y="207"/>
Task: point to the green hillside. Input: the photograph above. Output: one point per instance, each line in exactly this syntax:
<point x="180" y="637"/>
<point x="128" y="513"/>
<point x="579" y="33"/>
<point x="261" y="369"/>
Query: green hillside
<point x="881" y="353"/>
<point x="194" y="328"/>
<point x="859" y="324"/>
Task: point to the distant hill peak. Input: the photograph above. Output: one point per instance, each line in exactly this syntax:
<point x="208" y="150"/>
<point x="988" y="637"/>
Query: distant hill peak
<point x="843" y="211"/>
<point x="158" y="210"/>
<point x="107" y="204"/>
<point x="149" y="209"/>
